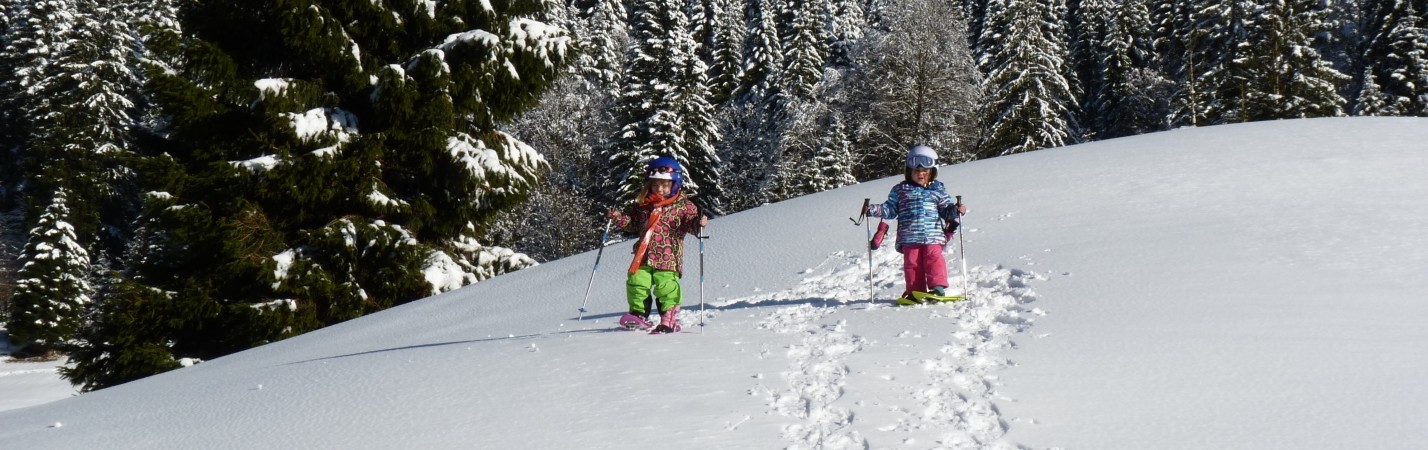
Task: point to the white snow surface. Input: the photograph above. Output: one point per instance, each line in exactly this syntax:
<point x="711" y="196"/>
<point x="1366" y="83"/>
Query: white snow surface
<point x="1233" y="287"/>
<point x="25" y="384"/>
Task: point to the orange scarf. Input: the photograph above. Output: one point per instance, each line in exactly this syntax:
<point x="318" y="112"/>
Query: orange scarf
<point x="659" y="206"/>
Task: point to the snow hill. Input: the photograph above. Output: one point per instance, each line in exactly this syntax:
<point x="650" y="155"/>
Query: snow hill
<point x="1234" y="287"/>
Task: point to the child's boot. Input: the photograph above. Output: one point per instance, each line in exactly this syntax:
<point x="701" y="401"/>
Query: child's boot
<point x="668" y="322"/>
<point x="908" y="299"/>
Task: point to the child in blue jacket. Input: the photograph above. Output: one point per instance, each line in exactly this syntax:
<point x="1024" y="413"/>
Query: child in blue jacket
<point x="921" y="206"/>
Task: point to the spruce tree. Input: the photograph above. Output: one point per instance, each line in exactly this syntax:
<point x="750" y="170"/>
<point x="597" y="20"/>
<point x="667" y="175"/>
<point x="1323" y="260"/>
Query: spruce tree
<point x="805" y="48"/>
<point x="603" y="34"/>
<point x="1291" y="79"/>
<point x="830" y="165"/>
<point x="51" y="291"/>
<point x="1029" y="103"/>
<point x="725" y="49"/>
<point x="10" y="129"/>
<point x="30" y="46"/>
<point x="1131" y="78"/>
<point x="648" y="120"/>
<point x="320" y="160"/>
<point x="846" y="27"/>
<point x="816" y="147"/>
<point x="81" y="115"/>
<point x="754" y="117"/>
<point x="1089" y="48"/>
<point x="1206" y="71"/>
<point x="664" y="109"/>
<point x="1398" y="52"/>
<point x="763" y="52"/>
<point x="1371" y="101"/>
<point x="1115" y="59"/>
<point x="74" y="101"/>
<point x="1166" y="19"/>
<point x="703" y="167"/>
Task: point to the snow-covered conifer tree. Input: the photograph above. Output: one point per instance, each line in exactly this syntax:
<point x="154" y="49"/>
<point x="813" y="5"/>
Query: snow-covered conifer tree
<point x="1090" y="24"/>
<point x="72" y="102"/>
<point x="816" y="146"/>
<point x="1290" y="79"/>
<point x="1206" y="68"/>
<point x="1132" y="79"/>
<point x="32" y="41"/>
<point x="753" y="118"/>
<point x="846" y="26"/>
<point x="1371" y="101"/>
<point x="1398" y="52"/>
<point x="832" y="165"/>
<point x="603" y="33"/>
<point x="80" y="119"/>
<point x="664" y="108"/>
<point x="805" y="48"/>
<point x="1029" y="103"/>
<point x="1168" y="19"/>
<point x="725" y="49"/>
<point x="763" y="52"/>
<point x="1113" y="53"/>
<point x="321" y="160"/>
<point x="51" y="292"/>
<point x="827" y="165"/>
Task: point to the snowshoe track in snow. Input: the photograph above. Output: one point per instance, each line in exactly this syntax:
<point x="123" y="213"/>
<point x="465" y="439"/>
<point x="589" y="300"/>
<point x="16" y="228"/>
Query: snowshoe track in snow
<point x="954" y="404"/>
<point x="815" y="380"/>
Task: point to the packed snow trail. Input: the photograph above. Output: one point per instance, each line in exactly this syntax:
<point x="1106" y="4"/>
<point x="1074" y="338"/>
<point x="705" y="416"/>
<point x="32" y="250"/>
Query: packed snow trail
<point x="953" y="404"/>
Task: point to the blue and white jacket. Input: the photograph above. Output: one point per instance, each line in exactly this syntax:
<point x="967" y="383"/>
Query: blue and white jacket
<point x="918" y="211"/>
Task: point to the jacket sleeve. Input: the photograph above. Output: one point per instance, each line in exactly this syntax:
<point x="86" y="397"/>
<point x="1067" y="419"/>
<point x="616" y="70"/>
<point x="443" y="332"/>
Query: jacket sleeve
<point x="689" y="219"/>
<point x="887" y="209"/>
<point x="947" y="209"/>
<point x="625" y="220"/>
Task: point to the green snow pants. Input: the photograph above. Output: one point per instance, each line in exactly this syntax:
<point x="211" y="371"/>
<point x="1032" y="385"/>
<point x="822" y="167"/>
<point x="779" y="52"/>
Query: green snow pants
<point x="664" y="284"/>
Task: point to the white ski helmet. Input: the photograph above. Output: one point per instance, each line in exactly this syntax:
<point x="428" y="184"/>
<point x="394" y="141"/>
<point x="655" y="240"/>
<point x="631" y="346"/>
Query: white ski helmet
<point x="922" y="156"/>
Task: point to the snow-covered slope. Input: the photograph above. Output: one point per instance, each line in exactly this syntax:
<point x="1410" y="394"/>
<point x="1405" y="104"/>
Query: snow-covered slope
<point x="28" y="383"/>
<point x="1248" y="286"/>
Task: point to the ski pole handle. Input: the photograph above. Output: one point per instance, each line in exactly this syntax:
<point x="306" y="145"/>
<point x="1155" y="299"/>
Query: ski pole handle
<point x="862" y="213"/>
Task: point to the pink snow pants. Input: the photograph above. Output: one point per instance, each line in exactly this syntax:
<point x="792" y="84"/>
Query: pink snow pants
<point x="923" y="267"/>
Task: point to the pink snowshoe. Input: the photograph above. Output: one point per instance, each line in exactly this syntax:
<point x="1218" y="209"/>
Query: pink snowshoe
<point x="634" y="322"/>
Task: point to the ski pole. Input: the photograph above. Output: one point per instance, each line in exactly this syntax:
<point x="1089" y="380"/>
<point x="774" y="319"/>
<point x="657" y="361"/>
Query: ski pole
<point x="598" y="253"/>
<point x="868" y="226"/>
<point x="702" y="236"/>
<point x="962" y="246"/>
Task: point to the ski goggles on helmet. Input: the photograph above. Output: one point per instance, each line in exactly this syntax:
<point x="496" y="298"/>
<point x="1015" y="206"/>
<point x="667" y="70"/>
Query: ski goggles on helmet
<point x="660" y="173"/>
<point x="921" y="162"/>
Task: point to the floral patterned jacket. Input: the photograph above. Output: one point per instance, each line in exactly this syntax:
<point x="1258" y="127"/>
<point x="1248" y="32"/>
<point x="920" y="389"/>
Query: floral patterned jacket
<point x="665" y="250"/>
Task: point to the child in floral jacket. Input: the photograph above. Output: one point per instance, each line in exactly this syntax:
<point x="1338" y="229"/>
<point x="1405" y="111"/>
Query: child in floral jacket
<point x="918" y="204"/>
<point x="661" y="216"/>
